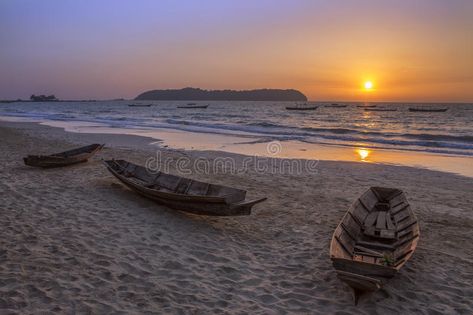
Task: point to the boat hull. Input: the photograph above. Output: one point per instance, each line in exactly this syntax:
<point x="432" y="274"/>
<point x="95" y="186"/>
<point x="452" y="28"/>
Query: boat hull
<point x="417" y="110"/>
<point x="232" y="204"/>
<point x="302" y="108"/>
<point x="194" y="107"/>
<point x="375" y="238"/>
<point x="62" y="159"/>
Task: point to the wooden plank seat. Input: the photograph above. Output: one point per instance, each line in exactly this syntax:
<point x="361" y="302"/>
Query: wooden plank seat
<point x="379" y="224"/>
<point x="182" y="193"/>
<point x="376" y="245"/>
<point x="154" y="182"/>
<point x="361" y="250"/>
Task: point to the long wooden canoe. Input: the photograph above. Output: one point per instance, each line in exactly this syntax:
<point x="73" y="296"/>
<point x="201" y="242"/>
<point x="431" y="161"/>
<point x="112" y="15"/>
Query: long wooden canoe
<point x="428" y="110"/>
<point x="139" y="105"/>
<point x="193" y="106"/>
<point x="182" y="193"/>
<point x="301" y="108"/>
<point x="70" y="157"/>
<point x="375" y="238"/>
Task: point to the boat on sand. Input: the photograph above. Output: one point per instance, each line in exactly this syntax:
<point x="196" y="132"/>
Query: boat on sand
<point x="182" y="193"/>
<point x="375" y="238"/>
<point x="70" y="157"/>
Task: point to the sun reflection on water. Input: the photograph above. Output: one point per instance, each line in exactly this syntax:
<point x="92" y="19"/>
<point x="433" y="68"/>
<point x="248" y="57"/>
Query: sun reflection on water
<point x="363" y="153"/>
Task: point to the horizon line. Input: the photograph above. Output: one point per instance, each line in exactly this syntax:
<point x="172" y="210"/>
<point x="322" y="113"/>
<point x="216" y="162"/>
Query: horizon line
<point x="309" y="100"/>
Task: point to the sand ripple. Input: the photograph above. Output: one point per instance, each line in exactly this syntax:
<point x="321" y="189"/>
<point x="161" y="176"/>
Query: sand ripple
<point x="72" y="240"/>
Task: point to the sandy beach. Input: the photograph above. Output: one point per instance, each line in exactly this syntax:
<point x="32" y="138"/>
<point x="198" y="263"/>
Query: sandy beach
<point x="74" y="240"/>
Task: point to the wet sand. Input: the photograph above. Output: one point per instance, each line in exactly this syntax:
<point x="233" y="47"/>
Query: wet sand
<point x="74" y="240"/>
<point x="245" y="143"/>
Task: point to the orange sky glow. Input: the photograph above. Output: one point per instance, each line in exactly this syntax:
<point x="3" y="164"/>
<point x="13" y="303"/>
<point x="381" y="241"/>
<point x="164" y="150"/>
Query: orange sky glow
<point x="411" y="51"/>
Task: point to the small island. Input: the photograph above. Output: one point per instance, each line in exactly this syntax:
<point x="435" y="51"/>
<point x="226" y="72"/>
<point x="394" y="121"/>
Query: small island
<point x="195" y="94"/>
<point x="43" y="98"/>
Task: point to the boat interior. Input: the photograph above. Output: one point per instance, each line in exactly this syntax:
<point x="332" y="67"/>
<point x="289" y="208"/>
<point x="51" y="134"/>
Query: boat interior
<point x="171" y="183"/>
<point x="87" y="149"/>
<point x="378" y="229"/>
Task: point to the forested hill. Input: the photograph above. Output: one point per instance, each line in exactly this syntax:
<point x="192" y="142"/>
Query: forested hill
<point x="194" y="94"/>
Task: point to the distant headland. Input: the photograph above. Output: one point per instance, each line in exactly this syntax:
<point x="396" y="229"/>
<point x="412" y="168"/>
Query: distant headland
<point x="195" y="94"/>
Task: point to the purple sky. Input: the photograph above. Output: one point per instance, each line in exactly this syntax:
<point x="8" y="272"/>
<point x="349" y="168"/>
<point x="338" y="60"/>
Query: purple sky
<point x="417" y="50"/>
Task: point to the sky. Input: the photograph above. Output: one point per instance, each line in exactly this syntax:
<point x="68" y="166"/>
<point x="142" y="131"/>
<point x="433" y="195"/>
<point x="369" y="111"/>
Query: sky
<point x="416" y="50"/>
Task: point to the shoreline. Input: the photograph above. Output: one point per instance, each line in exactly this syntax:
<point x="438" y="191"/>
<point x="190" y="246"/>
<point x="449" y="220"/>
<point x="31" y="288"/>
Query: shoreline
<point x="76" y="240"/>
<point x="292" y="149"/>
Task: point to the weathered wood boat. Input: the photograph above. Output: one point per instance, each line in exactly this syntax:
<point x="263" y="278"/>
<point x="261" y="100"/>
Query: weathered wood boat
<point x="375" y="238"/>
<point x="301" y="108"/>
<point x="193" y="106"/>
<point x="139" y="105"/>
<point x="366" y="106"/>
<point x="428" y="110"/>
<point x="64" y="158"/>
<point x="182" y="193"/>
<point x="381" y="109"/>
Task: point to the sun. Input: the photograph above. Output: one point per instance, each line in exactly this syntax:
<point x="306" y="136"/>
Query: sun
<point x="368" y="85"/>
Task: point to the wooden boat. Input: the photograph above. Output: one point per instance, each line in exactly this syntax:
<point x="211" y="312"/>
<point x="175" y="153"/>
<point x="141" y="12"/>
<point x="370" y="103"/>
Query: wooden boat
<point x="301" y="108"/>
<point x="375" y="238"/>
<point x="193" y="106"/>
<point x="139" y="105"/>
<point x="428" y="110"/>
<point x="64" y="158"/>
<point x="366" y="106"/>
<point x="182" y="193"/>
<point x="381" y="109"/>
<point x="336" y="105"/>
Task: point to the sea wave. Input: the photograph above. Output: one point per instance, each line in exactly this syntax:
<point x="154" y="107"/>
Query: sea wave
<point x="274" y="129"/>
<point x="256" y="125"/>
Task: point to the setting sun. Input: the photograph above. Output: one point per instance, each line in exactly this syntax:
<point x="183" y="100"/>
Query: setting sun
<point x="368" y="85"/>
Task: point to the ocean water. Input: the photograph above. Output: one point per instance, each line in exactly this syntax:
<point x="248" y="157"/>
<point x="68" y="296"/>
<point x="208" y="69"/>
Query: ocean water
<point x="450" y="132"/>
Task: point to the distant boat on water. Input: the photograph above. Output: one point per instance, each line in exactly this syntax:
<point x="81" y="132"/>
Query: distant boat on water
<point x="193" y="106"/>
<point x="301" y="107"/>
<point x="381" y="109"/>
<point x="428" y="110"/>
<point x="366" y="106"/>
<point x="139" y="105"/>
